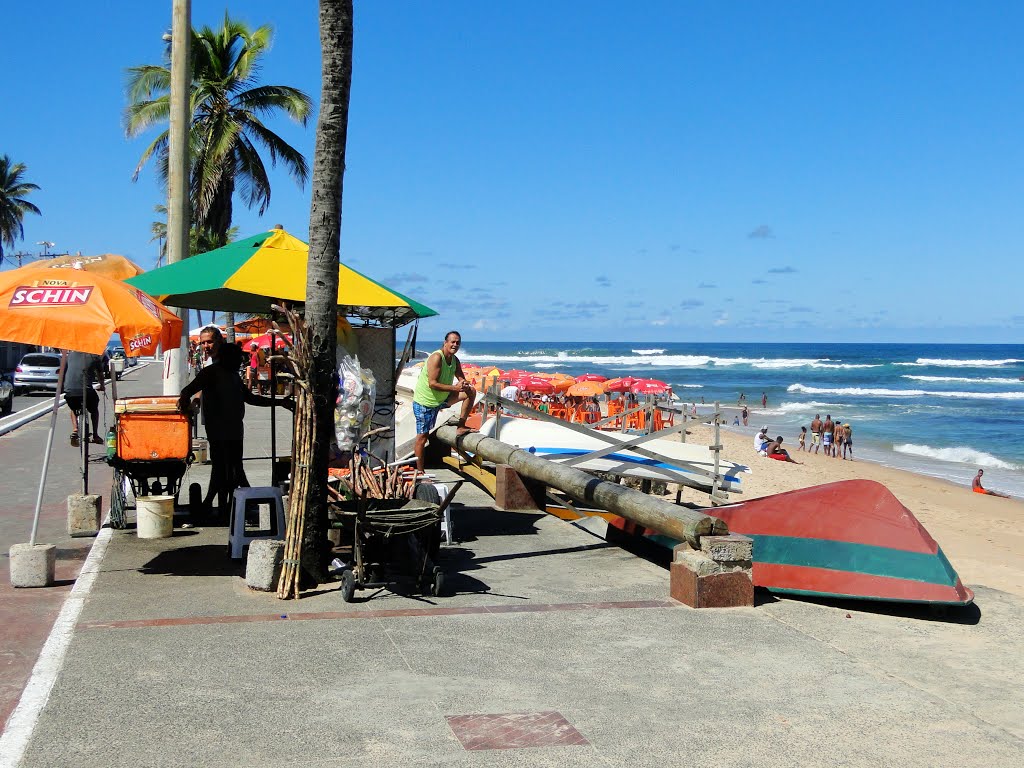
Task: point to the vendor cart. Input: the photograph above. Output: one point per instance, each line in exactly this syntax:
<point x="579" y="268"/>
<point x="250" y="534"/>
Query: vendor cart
<point x="152" y="451"/>
<point x="393" y="541"/>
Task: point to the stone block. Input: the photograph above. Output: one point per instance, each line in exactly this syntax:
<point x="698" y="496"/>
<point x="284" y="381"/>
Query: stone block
<point x="33" y="565"/>
<point x="514" y="492"/>
<point x="263" y="564"/>
<point x="697" y="562"/>
<point x="733" y="548"/>
<point x="83" y="514"/>
<point x="733" y="589"/>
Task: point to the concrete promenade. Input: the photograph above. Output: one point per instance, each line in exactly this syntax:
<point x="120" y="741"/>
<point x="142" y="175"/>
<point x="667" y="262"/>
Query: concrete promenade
<point x="551" y="648"/>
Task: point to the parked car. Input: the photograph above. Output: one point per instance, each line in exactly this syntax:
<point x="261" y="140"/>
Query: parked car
<point x="6" y="395"/>
<point x="37" y="370"/>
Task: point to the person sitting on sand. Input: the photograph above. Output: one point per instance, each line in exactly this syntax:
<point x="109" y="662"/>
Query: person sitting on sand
<point x="774" y="450"/>
<point x="761" y="440"/>
<point x="977" y="487"/>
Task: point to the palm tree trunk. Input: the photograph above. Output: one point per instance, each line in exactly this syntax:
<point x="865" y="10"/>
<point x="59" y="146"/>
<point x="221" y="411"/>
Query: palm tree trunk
<point x="322" y="277"/>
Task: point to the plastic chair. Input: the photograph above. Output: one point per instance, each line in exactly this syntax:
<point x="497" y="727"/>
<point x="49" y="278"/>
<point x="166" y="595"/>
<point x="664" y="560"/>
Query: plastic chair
<point x="249" y="499"/>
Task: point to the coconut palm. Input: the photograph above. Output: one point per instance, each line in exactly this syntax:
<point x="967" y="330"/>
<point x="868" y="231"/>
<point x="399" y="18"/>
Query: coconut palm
<point x="13" y="205"/>
<point x="315" y="402"/>
<point x="227" y="132"/>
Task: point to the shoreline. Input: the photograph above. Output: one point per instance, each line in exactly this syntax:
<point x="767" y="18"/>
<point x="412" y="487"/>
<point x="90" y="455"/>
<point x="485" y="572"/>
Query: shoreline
<point x="983" y="536"/>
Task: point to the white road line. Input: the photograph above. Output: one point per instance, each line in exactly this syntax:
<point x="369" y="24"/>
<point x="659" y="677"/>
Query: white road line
<point x="22" y="722"/>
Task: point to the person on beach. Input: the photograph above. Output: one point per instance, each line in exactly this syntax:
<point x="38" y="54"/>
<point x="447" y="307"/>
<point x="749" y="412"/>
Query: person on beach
<point x="441" y="384"/>
<point x="827" y="433"/>
<point x="764" y="400"/>
<point x="736" y="421"/>
<point x="802" y="439"/>
<point x="977" y="487"/>
<point x="252" y="372"/>
<point x="543" y="407"/>
<point x="816" y="433"/>
<point x="761" y="440"/>
<point x="223" y="403"/>
<point x="744" y="414"/>
<point x="774" y="450"/>
<point x="847" y="441"/>
<point x="82" y="370"/>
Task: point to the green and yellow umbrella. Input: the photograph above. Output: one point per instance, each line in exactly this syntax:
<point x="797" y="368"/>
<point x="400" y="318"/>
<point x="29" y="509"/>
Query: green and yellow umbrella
<point x="247" y="275"/>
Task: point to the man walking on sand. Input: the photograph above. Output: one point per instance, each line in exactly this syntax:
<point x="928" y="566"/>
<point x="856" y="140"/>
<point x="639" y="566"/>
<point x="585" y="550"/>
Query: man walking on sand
<point x="816" y="432"/>
<point x="436" y="389"/>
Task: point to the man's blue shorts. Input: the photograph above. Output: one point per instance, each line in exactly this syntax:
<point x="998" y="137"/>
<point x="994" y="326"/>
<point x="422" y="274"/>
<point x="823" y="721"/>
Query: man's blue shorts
<point x="425" y="417"/>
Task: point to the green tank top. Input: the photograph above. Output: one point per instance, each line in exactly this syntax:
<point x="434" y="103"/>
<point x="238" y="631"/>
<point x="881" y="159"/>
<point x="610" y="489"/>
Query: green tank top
<point x="432" y="398"/>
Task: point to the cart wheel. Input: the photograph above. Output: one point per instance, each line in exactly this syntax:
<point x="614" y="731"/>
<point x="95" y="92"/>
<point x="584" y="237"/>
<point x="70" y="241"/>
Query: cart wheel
<point x="427" y="492"/>
<point x="438" y="586"/>
<point x="118" y="502"/>
<point x="348" y="585"/>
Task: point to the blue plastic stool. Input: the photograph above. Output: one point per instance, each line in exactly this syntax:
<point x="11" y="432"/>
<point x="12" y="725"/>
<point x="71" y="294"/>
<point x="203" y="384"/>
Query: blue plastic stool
<point x="247" y="499"/>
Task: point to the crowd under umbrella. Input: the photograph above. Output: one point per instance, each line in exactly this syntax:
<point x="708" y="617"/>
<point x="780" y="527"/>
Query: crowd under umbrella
<point x="74" y="309"/>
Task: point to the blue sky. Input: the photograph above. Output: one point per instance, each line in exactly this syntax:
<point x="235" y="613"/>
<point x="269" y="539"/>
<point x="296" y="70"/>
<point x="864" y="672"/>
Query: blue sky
<point x="663" y="171"/>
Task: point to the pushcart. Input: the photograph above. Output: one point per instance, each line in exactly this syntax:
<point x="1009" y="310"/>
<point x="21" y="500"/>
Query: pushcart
<point x="393" y="541"/>
<point x="152" y="452"/>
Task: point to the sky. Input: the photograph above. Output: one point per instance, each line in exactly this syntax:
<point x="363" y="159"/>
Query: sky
<point x="586" y="171"/>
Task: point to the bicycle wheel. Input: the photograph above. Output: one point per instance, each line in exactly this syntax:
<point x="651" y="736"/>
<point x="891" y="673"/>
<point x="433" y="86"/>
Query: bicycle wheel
<point x="118" y="501"/>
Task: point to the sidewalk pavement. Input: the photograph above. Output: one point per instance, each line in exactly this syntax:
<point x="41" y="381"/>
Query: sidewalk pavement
<point x="550" y="648"/>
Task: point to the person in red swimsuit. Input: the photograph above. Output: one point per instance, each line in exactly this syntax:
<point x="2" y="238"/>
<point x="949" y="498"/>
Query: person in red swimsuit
<point x="977" y="487"/>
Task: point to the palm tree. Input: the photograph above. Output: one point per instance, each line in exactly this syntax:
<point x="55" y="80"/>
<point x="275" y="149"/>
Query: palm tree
<point x="315" y="402"/>
<point x="13" y="205"/>
<point x="227" y="130"/>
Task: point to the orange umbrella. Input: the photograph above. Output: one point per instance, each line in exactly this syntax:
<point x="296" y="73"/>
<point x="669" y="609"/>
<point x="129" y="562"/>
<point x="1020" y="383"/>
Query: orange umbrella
<point x="80" y="310"/>
<point x="254" y="326"/>
<point x="562" y="383"/>
<point x="107" y="264"/>
<point x="585" y="389"/>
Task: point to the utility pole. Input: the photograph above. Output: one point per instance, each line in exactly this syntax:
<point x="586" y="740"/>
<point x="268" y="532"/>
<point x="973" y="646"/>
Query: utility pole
<point x="178" y="213"/>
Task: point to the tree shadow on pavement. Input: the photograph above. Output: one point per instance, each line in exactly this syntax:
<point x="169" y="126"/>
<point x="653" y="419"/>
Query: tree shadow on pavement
<point x="203" y="560"/>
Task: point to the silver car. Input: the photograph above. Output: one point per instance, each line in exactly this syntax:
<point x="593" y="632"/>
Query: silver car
<point x="37" y="371"/>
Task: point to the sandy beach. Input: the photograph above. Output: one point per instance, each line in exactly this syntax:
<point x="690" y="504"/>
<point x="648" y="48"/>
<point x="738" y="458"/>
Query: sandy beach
<point x="983" y="536"/>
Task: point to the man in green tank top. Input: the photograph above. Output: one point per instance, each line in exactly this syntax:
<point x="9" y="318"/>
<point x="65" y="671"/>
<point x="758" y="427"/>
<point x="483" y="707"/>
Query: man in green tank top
<point x="441" y="384"/>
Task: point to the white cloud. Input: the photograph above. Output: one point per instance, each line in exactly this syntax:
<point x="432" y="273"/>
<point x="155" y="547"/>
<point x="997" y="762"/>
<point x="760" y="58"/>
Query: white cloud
<point x="485" y="325"/>
<point x="722" y="319"/>
<point x="660" y="321"/>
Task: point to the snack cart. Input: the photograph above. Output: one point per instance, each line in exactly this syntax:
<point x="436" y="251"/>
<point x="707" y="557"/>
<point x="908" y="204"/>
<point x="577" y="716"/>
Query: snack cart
<point x="152" y="452"/>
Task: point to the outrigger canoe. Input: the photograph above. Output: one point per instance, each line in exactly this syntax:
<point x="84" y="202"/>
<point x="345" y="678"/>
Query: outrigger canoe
<point x="557" y="443"/>
<point x="849" y="539"/>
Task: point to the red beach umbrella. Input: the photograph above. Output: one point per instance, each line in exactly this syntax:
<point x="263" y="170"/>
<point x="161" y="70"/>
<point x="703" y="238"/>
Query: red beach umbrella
<point x="591" y="377"/>
<point x="649" y="387"/>
<point x="535" y="384"/>
<point x="619" y="385"/>
<point x="263" y="341"/>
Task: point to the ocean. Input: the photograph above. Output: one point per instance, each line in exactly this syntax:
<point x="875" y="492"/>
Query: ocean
<point x="943" y="410"/>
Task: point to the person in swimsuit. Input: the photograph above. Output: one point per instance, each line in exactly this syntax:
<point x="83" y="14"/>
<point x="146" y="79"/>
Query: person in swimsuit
<point x="977" y="487"/>
<point x="745" y="415"/>
<point x="827" y="433"/>
<point x="802" y="439"/>
<point x="847" y="441"/>
<point x="775" y="450"/>
<point x="816" y="432"/>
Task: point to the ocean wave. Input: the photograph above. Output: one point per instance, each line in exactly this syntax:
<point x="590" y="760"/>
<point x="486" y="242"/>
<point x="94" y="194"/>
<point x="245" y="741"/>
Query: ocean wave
<point x="861" y="391"/>
<point x="964" y="379"/>
<point x="940" y="362"/>
<point x="647" y="351"/>
<point x="659" y="360"/>
<point x="961" y="454"/>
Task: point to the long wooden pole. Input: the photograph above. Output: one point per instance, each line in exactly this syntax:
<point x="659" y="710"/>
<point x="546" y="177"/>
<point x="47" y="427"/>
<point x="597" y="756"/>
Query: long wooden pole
<point x="664" y="517"/>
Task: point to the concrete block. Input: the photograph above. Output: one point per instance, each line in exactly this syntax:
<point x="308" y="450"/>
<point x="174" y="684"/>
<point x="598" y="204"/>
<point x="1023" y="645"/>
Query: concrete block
<point x="698" y="562"/>
<point x="263" y="564"/>
<point x="33" y="565"/>
<point x="513" y="492"/>
<point x="83" y="514"/>
<point x="728" y="549"/>
<point x="733" y="589"/>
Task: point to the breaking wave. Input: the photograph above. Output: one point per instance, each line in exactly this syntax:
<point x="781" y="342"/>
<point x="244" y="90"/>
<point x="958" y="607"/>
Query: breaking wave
<point x="655" y="357"/>
<point x="961" y="454"/>
<point x="647" y="351"/>
<point x="865" y="392"/>
<point x="921" y="361"/>
<point x="964" y="379"/>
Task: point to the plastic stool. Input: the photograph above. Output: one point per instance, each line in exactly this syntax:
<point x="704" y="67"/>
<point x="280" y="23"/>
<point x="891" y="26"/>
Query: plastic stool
<point x="245" y="498"/>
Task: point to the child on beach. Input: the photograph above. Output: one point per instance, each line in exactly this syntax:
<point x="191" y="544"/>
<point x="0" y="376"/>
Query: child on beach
<point x="802" y="439"/>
